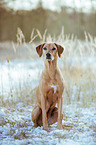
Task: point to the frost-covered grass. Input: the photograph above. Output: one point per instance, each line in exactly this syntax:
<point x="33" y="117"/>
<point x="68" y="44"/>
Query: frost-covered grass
<point x="16" y="127"/>
<point x="21" y="70"/>
<point x="19" y="76"/>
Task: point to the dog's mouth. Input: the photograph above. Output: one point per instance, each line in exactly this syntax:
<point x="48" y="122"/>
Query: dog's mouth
<point x="49" y="59"/>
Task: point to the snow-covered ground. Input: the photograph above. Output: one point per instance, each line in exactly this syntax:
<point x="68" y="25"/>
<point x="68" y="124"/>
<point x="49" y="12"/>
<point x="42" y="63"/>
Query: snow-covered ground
<point x="16" y="127"/>
<point x="19" y="73"/>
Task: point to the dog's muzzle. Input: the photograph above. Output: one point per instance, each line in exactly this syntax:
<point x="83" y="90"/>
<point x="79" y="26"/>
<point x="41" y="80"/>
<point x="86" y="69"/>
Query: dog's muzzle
<point x="48" y="56"/>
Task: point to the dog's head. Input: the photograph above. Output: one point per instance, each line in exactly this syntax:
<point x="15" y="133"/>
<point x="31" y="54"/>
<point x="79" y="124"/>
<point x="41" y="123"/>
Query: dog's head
<point x="49" y="50"/>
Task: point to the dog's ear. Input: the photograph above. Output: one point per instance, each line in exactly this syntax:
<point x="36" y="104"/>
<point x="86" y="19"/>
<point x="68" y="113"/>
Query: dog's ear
<point x="59" y="49"/>
<point x="39" y="49"/>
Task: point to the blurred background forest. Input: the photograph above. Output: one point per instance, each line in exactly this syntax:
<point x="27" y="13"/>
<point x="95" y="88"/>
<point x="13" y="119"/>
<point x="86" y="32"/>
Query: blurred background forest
<point x="77" y="17"/>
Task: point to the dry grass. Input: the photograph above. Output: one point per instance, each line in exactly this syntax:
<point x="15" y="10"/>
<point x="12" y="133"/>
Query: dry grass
<point x="80" y="84"/>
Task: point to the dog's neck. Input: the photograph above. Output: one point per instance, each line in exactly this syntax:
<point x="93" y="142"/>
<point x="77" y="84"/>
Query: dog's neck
<point x="51" y="68"/>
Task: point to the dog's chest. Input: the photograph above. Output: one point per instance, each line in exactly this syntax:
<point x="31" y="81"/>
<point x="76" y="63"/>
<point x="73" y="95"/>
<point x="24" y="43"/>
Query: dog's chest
<point x="52" y="94"/>
<point x="54" y="87"/>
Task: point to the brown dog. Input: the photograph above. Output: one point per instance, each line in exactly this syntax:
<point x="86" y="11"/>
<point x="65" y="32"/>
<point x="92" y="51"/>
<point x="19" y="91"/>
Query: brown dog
<point x="50" y="89"/>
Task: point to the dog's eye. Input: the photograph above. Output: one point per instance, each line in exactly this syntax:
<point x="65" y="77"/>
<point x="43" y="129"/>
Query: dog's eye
<point x="53" y="48"/>
<point x="45" y="48"/>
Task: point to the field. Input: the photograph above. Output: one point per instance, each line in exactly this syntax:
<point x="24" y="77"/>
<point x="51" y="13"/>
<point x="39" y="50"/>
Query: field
<point x="20" y="70"/>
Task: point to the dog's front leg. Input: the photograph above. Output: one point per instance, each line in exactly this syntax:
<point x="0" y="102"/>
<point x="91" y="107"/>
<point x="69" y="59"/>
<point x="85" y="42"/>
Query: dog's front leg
<point x="44" y="113"/>
<point x="60" y="102"/>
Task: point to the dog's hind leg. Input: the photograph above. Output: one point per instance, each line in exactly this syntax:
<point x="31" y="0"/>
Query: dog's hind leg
<point x="52" y="117"/>
<point x="36" y="113"/>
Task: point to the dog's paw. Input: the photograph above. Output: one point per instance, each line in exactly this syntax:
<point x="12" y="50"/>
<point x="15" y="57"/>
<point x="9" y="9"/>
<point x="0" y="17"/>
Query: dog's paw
<point x="59" y="126"/>
<point x="46" y="128"/>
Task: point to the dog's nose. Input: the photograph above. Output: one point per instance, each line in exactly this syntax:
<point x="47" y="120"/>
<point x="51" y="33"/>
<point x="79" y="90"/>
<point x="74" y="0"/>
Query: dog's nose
<point x="48" y="55"/>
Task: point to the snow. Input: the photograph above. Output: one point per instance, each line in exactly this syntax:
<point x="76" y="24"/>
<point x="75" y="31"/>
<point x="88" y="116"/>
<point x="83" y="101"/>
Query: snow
<point x="17" y="74"/>
<point x="16" y="126"/>
<point x="85" y="62"/>
<point x="21" y="73"/>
